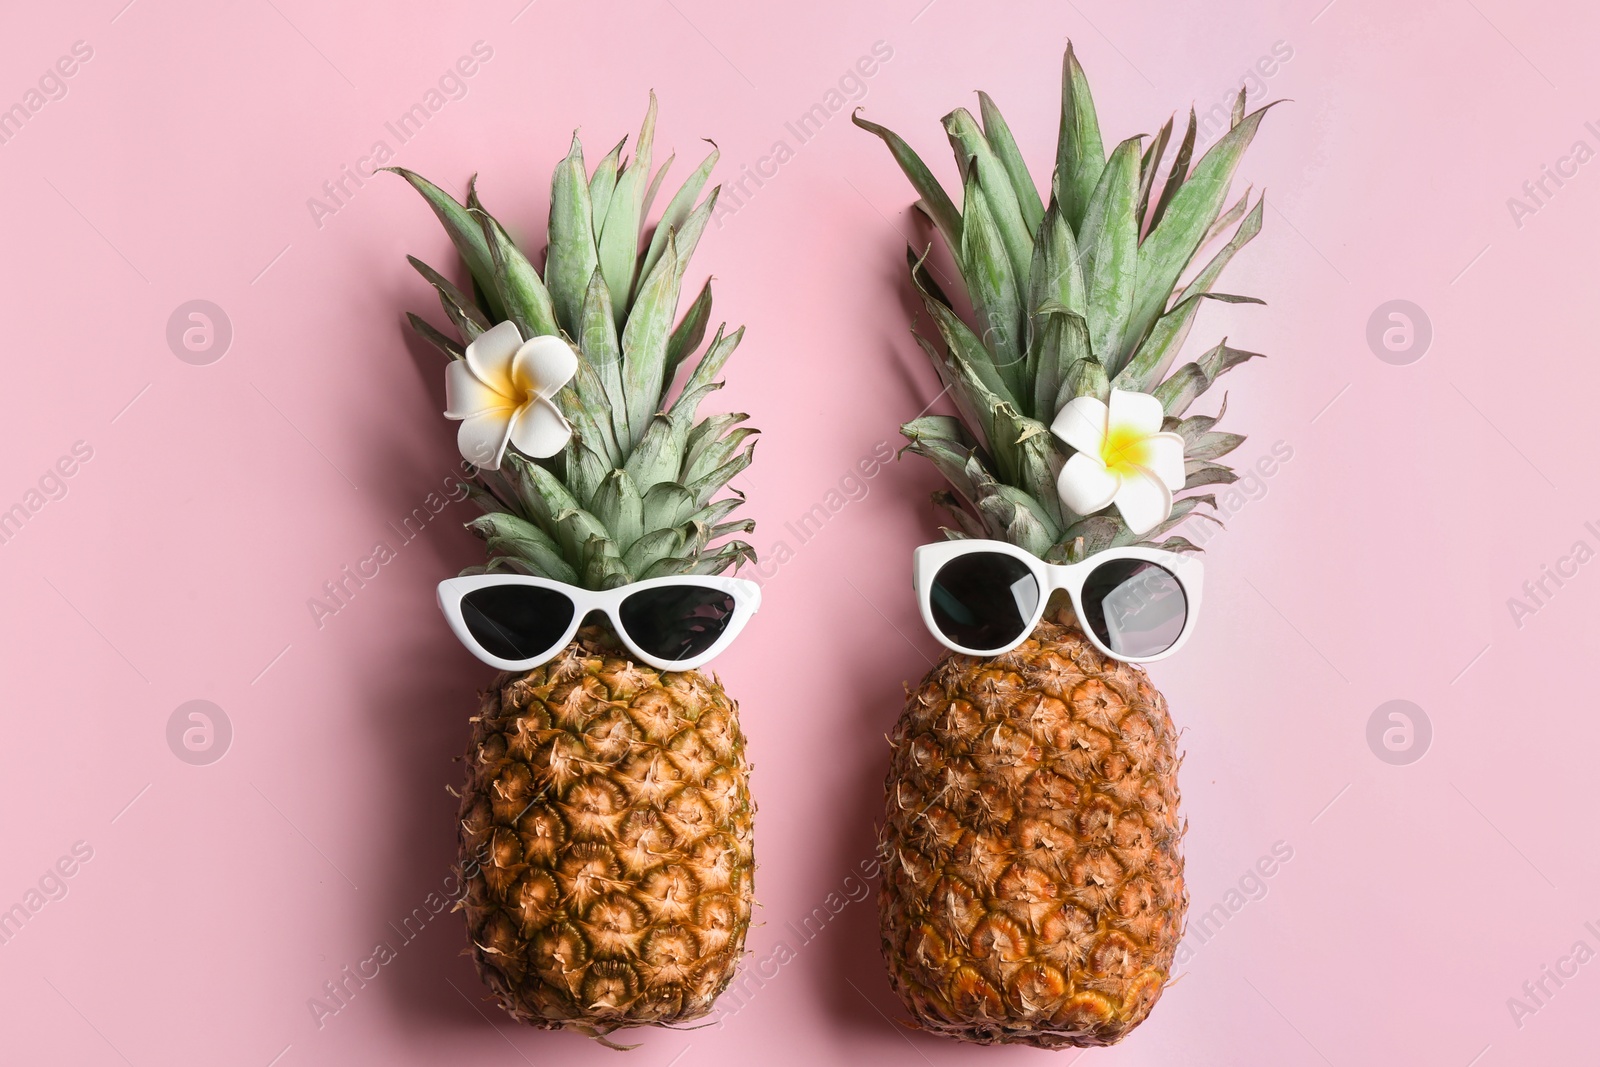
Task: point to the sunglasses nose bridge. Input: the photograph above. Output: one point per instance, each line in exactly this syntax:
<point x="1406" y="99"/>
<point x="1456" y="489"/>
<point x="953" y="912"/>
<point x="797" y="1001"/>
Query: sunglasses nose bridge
<point x="601" y="616"/>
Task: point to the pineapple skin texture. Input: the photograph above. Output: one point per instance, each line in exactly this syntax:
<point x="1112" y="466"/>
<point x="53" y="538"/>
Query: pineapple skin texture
<point x="1033" y="884"/>
<point x="606" y="842"/>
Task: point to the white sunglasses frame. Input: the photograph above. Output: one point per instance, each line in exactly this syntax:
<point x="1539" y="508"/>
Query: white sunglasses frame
<point x="1070" y="577"/>
<point x="746" y="599"/>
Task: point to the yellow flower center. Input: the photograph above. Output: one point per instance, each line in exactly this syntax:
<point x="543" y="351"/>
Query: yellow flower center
<point x="1124" y="450"/>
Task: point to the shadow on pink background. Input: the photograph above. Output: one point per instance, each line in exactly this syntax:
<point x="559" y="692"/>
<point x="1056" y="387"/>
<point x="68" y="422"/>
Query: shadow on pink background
<point x="1408" y="903"/>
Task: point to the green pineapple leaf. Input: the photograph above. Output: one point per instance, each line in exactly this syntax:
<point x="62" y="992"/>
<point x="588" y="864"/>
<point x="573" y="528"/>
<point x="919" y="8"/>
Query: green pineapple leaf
<point x="667" y="504"/>
<point x="545" y="495"/>
<point x="993" y="286"/>
<point x="966" y="525"/>
<point x="585" y="470"/>
<point x="438" y="340"/>
<point x="644" y="341"/>
<point x="689" y="332"/>
<point x="508" y="535"/>
<point x="601" y="185"/>
<point x="1063" y="346"/>
<point x="1228" y="217"/>
<point x="602" y="564"/>
<point x="705" y="433"/>
<point x="652" y="548"/>
<point x="462" y="312"/>
<point x="572" y="258"/>
<point x="619" y="234"/>
<point x="923" y="278"/>
<point x="1056" y="273"/>
<point x="1177" y="174"/>
<point x="575" y="528"/>
<point x="979" y="165"/>
<point x="714" y="454"/>
<point x="1038" y="464"/>
<point x="945" y="441"/>
<point x="1109" y="240"/>
<point x="998" y="134"/>
<point x="677" y="211"/>
<point x="719" y="509"/>
<point x="515" y="282"/>
<point x="650" y="198"/>
<point x="1172" y="244"/>
<point x="655" y="457"/>
<point x="1198" y="473"/>
<point x="1161" y="347"/>
<point x="703" y="488"/>
<point x="582" y="401"/>
<point x="1192" y="379"/>
<point x="976" y="363"/>
<point x="1148" y="166"/>
<point x="619" y="508"/>
<point x="934" y="199"/>
<point x="1181" y="510"/>
<point x="1086" y="377"/>
<point x="731" y="554"/>
<point x="597" y="341"/>
<point x="1080" y="154"/>
<point x="1213" y="445"/>
<point x="463" y="230"/>
<point x="1086" y="537"/>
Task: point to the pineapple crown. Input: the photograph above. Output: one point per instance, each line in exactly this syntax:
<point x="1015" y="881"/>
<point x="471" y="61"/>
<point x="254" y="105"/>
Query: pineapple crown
<point x="1074" y="299"/>
<point x="631" y="494"/>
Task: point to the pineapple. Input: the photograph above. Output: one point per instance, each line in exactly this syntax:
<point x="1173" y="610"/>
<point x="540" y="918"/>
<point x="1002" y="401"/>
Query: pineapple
<point x="606" y="820"/>
<point x="1033" y="884"/>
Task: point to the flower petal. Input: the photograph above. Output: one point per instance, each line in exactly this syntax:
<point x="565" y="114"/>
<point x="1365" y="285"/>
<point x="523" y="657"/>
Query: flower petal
<point x="1085" y="485"/>
<point x="1134" y="413"/>
<point x="540" y="429"/>
<point x="1082" y="423"/>
<point x="1164" y="456"/>
<point x="465" y="395"/>
<point x="491" y="354"/>
<point x="543" y="365"/>
<point x="1144" y="500"/>
<point x="483" y="436"/>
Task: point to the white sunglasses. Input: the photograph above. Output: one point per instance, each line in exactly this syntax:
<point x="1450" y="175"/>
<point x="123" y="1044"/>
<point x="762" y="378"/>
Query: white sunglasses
<point x="516" y="622"/>
<point x="983" y="598"/>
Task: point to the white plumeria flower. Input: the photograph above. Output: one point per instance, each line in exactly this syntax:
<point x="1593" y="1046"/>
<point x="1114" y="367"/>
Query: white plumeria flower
<point x="502" y="393"/>
<point x="1122" y="458"/>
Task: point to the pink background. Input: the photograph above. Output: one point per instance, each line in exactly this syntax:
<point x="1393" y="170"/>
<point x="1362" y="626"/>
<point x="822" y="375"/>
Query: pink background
<point x="1374" y="565"/>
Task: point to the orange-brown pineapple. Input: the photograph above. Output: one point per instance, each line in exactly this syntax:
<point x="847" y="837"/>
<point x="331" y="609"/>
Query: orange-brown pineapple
<point x="1033" y="888"/>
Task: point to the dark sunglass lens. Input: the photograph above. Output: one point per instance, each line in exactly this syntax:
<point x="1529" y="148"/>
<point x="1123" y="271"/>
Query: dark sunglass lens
<point x="984" y="600"/>
<point x="517" y="621"/>
<point x="1136" y="608"/>
<point x="676" y="622"/>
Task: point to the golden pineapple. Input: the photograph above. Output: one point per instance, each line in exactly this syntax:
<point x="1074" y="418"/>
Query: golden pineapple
<point x="606" y="820"/>
<point x="1033" y="885"/>
<point x="606" y="831"/>
<point x="1033" y="888"/>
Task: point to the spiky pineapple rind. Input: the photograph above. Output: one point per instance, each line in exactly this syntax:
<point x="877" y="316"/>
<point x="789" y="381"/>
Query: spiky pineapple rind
<point x="1033" y="885"/>
<point x="606" y="842"/>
